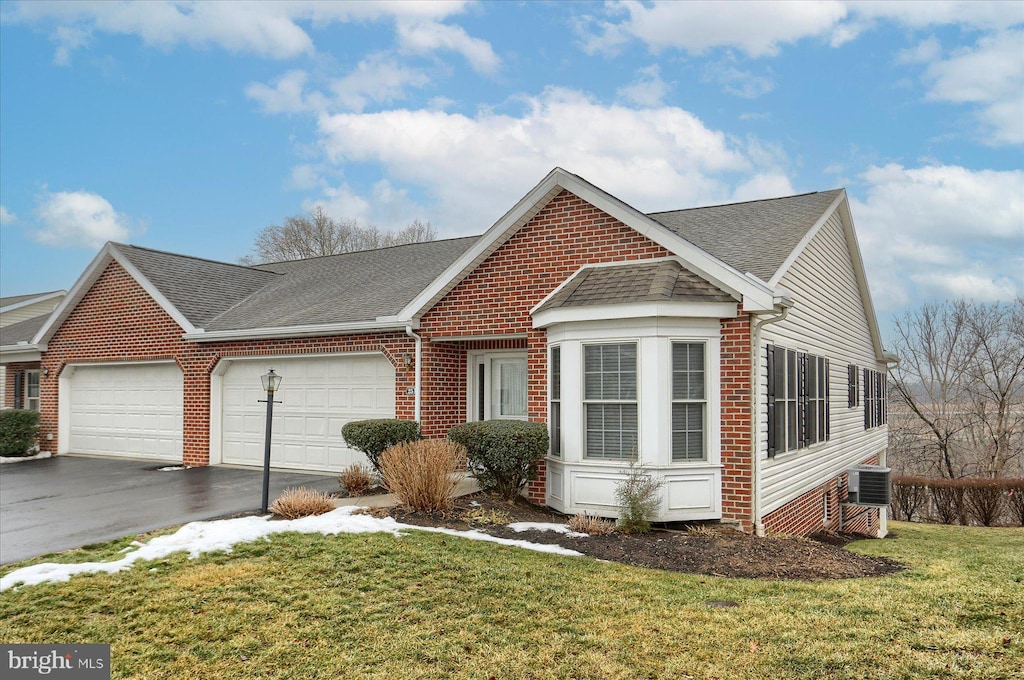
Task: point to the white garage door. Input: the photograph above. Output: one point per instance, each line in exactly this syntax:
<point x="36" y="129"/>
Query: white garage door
<point x="126" y="410"/>
<point x="319" y="395"/>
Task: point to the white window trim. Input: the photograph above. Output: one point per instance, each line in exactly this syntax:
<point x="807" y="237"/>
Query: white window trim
<point x="705" y="401"/>
<point x="584" y="401"/>
<point x="39" y="389"/>
<point x="552" y="400"/>
<point x="473" y="361"/>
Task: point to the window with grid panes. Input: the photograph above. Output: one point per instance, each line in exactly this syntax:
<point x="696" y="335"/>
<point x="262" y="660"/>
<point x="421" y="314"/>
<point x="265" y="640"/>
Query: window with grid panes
<point x="689" y="403"/>
<point x="610" y="401"/>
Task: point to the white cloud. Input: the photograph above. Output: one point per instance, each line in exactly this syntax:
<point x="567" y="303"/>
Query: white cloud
<point x="760" y="28"/>
<point x="991" y="74"/>
<point x="79" y="219"/>
<point x="377" y="79"/>
<point x="647" y="88"/>
<point x="736" y="81"/>
<point x="286" y="95"/>
<point x="941" y="231"/>
<point x="430" y="36"/>
<point x="472" y="168"/>
<point x="923" y="52"/>
<point x="6" y="216"/>
<point x="270" y="28"/>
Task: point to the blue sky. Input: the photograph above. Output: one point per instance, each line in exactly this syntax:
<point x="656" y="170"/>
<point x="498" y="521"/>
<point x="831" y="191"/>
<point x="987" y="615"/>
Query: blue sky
<point x="187" y="127"/>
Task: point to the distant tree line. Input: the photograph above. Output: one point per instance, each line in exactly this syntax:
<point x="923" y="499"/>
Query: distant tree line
<point x="315" y="234"/>
<point x="957" y="394"/>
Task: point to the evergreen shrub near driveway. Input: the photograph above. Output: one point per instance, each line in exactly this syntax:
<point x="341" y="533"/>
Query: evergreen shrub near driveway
<point x="373" y="437"/>
<point x="19" y="430"/>
<point x="503" y="454"/>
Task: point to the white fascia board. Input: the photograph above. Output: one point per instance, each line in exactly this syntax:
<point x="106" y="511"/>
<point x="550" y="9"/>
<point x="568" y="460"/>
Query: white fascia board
<point x="756" y="295"/>
<point x="10" y="354"/>
<point x="295" y="331"/>
<point x="642" y="310"/>
<point x="108" y="253"/>
<point x="862" y="278"/>
<point x="31" y="301"/>
<point x="811" y="233"/>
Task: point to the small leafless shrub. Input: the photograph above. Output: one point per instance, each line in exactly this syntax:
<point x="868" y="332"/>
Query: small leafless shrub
<point x="356" y="479"/>
<point x="702" y="530"/>
<point x="301" y="502"/>
<point x="585" y="523"/>
<point x="948" y="501"/>
<point x="909" y="497"/>
<point x="1015" y="500"/>
<point x="424" y="474"/>
<point x="638" y="499"/>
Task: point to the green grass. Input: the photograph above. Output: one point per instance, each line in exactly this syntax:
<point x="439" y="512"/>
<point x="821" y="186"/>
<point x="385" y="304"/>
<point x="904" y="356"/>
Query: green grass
<point x="427" y="605"/>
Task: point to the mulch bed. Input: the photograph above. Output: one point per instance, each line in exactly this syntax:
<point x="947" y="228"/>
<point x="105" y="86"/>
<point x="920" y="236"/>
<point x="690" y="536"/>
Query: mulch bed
<point x="722" y="553"/>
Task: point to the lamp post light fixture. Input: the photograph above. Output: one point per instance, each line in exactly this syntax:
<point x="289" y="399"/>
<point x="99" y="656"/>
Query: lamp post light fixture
<point x="271" y="381"/>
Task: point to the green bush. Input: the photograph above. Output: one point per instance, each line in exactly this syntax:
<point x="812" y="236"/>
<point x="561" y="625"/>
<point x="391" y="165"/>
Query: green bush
<point x="374" y="437"/>
<point x="18" y="432"/>
<point x="638" y="499"/>
<point x="503" y="454"/>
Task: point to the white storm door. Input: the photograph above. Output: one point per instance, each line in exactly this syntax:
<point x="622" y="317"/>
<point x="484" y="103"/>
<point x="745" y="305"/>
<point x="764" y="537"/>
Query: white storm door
<point x="498" y="387"/>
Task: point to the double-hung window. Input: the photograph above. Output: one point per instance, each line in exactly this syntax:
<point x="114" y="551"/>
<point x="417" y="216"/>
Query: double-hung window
<point x="798" y="404"/>
<point x="555" y="397"/>
<point x="874" y="399"/>
<point x="610" y="401"/>
<point x="26" y="390"/>
<point x="689" y="401"/>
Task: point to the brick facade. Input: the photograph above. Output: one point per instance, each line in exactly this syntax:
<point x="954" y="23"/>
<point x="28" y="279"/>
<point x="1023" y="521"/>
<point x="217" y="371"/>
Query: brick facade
<point x="13" y="370"/>
<point x="737" y="472"/>
<point x="819" y="509"/>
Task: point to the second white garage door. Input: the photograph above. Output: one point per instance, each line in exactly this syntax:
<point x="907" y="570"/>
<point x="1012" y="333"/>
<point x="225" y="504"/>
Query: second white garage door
<point x="318" y="394"/>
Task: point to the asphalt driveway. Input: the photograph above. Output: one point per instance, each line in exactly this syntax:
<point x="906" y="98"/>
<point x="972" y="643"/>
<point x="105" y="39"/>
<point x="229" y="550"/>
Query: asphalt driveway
<point x="66" y="502"/>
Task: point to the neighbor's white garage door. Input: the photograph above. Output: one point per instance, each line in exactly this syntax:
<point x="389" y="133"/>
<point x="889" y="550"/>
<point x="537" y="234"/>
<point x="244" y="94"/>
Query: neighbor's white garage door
<point x="126" y="410"/>
<point x="318" y="396"/>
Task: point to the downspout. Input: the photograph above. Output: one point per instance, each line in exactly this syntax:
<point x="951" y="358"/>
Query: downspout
<point x="419" y="356"/>
<point x="755" y="410"/>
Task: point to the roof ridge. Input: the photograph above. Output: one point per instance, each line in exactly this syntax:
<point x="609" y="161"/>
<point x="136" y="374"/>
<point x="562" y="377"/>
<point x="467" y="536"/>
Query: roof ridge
<point x="755" y="200"/>
<point x="368" y="250"/>
<point x="190" y="257"/>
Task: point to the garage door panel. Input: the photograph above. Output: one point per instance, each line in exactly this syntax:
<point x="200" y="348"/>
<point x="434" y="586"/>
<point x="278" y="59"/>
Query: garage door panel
<point x="126" y="409"/>
<point x="318" y="396"/>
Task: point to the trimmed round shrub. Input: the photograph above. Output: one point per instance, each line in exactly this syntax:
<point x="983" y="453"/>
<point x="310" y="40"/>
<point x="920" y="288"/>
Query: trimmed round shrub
<point x="374" y="437"/>
<point x="19" y="430"/>
<point x="503" y="454"/>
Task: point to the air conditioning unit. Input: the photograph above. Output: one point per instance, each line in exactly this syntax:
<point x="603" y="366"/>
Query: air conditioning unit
<point x="868" y="485"/>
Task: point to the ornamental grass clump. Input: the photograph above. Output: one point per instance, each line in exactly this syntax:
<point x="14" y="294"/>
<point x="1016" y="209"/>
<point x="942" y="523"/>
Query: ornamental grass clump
<point x="301" y="502"/>
<point x="356" y="479"/>
<point x="423" y="474"/>
<point x="375" y="436"/>
<point x="585" y="523"/>
<point x="638" y="499"/>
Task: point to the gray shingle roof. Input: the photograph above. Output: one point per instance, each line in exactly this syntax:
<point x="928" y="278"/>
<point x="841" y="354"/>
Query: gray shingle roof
<point x="23" y="331"/>
<point x="756" y="236"/>
<point x="200" y="289"/>
<point x="660" y="281"/>
<point x="339" y="288"/>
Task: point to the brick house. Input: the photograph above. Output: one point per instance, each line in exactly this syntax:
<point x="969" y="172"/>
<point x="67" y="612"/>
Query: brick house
<point x="734" y="349"/>
<point x="21" y="317"/>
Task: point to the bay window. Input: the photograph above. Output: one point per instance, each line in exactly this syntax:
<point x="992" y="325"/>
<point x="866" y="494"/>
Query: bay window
<point x="610" y="401"/>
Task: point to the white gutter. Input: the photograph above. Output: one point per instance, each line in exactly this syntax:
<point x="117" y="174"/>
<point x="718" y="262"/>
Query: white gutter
<point x="755" y="411"/>
<point x="295" y="331"/>
<point x="419" y="355"/>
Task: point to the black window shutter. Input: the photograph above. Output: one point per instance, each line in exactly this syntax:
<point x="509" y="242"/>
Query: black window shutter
<point x="19" y="389"/>
<point x="867" y="400"/>
<point x="803" y="434"/>
<point x="884" y="398"/>
<point x="772" y="382"/>
<point x="851" y="385"/>
<point x="828" y="421"/>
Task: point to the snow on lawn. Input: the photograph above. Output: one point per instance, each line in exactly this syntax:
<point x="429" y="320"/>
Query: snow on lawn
<point x="220" y="535"/>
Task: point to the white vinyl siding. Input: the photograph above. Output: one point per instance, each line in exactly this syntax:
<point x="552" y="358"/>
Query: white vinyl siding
<point x="610" y="401"/>
<point x="827" y="320"/>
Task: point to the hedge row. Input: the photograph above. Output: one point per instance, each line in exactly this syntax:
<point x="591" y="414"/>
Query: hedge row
<point x="981" y="501"/>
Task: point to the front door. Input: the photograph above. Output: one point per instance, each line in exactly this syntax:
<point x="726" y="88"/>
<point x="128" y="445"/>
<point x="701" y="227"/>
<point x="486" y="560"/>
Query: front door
<point x="498" y="387"/>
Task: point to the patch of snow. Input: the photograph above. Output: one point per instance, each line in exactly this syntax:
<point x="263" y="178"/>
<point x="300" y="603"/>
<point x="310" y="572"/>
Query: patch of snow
<point x="197" y="538"/>
<point x="21" y="459"/>
<point x="173" y="468"/>
<point x="520" y="527"/>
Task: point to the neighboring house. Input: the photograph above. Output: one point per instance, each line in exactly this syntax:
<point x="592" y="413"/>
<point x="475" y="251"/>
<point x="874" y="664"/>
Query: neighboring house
<point x="719" y="344"/>
<point x="21" y="317"/>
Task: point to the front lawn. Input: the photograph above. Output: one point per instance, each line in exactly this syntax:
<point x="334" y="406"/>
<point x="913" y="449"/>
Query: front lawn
<point x="430" y="605"/>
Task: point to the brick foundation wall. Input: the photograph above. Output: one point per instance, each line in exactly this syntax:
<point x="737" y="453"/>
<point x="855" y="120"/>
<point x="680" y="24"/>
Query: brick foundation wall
<point x="496" y="297"/>
<point x="737" y="473"/>
<point x="819" y="510"/>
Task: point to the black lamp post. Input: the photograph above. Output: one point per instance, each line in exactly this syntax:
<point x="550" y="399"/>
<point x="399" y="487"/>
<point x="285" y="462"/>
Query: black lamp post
<point x="271" y="381"/>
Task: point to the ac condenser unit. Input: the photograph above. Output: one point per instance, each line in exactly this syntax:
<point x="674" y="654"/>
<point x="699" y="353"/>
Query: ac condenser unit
<point x="868" y="485"/>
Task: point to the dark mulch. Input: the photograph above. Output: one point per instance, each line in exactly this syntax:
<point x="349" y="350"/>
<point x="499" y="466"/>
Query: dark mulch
<point x="721" y="552"/>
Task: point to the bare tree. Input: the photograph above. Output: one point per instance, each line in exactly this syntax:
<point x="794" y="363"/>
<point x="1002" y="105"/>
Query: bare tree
<point x="959" y="384"/>
<point x="316" y="234"/>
